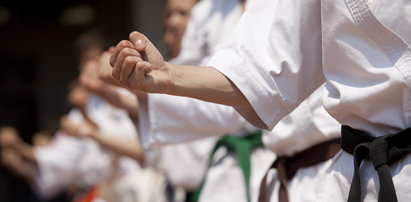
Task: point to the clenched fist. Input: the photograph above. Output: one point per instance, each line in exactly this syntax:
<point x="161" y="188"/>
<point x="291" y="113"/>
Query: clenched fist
<point x="138" y="65"/>
<point x="9" y="137"/>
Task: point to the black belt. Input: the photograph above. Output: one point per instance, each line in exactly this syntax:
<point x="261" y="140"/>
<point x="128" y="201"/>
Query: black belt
<point x="383" y="151"/>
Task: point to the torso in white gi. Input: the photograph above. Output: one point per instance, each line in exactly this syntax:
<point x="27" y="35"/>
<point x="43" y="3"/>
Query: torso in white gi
<point x="282" y="50"/>
<point x="134" y="183"/>
<point x="81" y="162"/>
<point x="309" y="124"/>
<point x="225" y="181"/>
<point x="185" y="163"/>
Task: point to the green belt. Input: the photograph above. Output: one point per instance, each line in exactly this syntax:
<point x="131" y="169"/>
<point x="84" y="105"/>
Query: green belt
<point x="241" y="146"/>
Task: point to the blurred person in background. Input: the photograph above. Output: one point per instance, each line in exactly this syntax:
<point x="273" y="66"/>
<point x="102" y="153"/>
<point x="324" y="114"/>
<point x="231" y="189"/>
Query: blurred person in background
<point x="69" y="162"/>
<point x="41" y="138"/>
<point x="146" y="180"/>
<point x="173" y="160"/>
<point x="176" y="17"/>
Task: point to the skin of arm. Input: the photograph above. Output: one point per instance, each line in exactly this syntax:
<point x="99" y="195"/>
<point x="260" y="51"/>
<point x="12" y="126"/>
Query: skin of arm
<point x="9" y="139"/>
<point x="124" y="101"/>
<point x="129" y="148"/>
<point x="17" y="165"/>
<point x="138" y="64"/>
<point x="126" y="147"/>
<point x="26" y="151"/>
<point x="91" y="79"/>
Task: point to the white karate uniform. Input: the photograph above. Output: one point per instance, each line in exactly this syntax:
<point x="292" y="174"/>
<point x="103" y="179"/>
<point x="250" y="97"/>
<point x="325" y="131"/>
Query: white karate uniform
<point x="81" y="162"/>
<point x="210" y="23"/>
<point x="308" y="125"/>
<point x="134" y="183"/>
<point x="184" y="164"/>
<point x="166" y="119"/>
<point x="281" y="51"/>
<point x="224" y="179"/>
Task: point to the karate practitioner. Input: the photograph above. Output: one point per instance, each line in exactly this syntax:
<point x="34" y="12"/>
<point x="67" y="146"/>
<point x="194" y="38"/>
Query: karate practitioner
<point x="162" y="124"/>
<point x="127" y="181"/>
<point x="361" y="48"/>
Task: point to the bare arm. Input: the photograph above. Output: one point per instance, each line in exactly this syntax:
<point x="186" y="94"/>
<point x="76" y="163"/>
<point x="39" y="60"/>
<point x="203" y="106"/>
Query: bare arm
<point x="92" y="78"/>
<point x="146" y="70"/>
<point x="17" y="165"/>
<point x="126" y="147"/>
<point x="129" y="148"/>
<point x="10" y="139"/>
<point x="26" y="151"/>
<point x="205" y="83"/>
<point x="120" y="100"/>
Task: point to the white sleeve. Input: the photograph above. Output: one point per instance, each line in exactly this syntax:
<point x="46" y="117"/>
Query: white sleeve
<point x="56" y="163"/>
<point x="274" y="56"/>
<point x="173" y="119"/>
<point x="307" y="125"/>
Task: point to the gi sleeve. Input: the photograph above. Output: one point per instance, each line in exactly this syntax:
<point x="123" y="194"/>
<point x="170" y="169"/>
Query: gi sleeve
<point x="274" y="56"/>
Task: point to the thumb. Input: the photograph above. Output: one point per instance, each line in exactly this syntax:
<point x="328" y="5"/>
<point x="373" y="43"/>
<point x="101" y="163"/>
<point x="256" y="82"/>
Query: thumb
<point x="139" y="41"/>
<point x="147" y="49"/>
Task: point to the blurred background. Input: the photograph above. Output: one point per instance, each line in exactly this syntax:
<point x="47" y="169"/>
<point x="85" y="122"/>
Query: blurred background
<point x="38" y="60"/>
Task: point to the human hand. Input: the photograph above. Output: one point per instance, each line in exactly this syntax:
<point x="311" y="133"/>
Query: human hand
<point x="9" y="137"/>
<point x="139" y="65"/>
<point x="41" y="139"/>
<point x="89" y="77"/>
<point x="10" y="158"/>
<point x="81" y="130"/>
<point x="105" y="71"/>
<point x="78" y="97"/>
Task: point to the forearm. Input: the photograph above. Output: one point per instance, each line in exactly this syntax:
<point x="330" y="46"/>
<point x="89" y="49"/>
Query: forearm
<point x="13" y="161"/>
<point x="208" y="84"/>
<point x="205" y="83"/>
<point x="23" y="169"/>
<point x="127" y="102"/>
<point x="129" y="148"/>
<point x="26" y="151"/>
<point x="139" y="65"/>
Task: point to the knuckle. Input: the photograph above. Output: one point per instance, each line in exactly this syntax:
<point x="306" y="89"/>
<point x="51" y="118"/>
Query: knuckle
<point x="124" y="44"/>
<point x="126" y="52"/>
<point x="129" y="60"/>
<point x="123" y="53"/>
